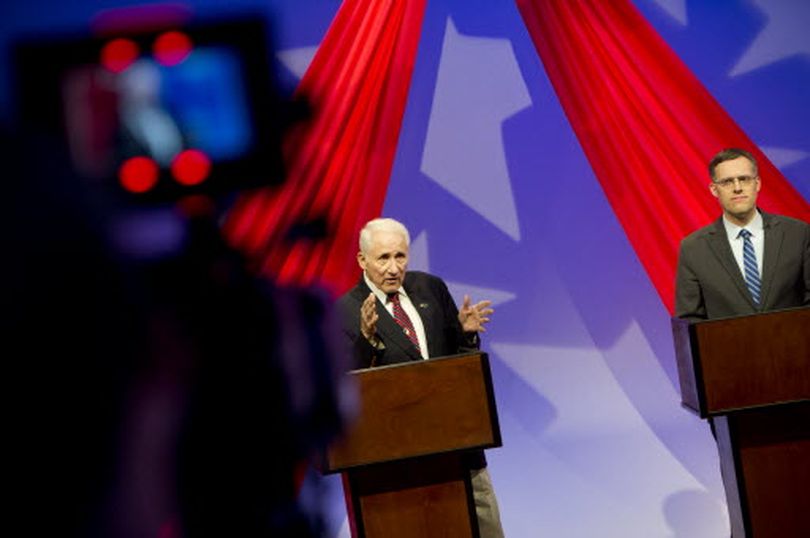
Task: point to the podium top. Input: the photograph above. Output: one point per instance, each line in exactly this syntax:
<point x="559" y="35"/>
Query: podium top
<point x="420" y="408"/>
<point x="743" y="362"/>
<point x="780" y="312"/>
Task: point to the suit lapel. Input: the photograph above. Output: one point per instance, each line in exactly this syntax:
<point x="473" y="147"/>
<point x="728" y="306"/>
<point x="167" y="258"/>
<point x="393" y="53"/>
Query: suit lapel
<point x="772" y="245"/>
<point x="718" y="242"/>
<point x="426" y="308"/>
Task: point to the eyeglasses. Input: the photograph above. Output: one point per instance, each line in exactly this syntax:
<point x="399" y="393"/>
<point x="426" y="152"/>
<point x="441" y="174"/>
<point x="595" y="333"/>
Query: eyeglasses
<point x="728" y="182"/>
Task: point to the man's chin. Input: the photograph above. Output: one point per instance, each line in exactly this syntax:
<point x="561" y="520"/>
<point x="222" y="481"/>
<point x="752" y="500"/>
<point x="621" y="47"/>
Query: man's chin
<point x="741" y="216"/>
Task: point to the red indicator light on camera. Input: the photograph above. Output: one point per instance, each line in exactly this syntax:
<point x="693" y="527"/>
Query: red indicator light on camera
<point x="138" y="174"/>
<point x="191" y="167"/>
<point x="118" y="54"/>
<point x="171" y="48"/>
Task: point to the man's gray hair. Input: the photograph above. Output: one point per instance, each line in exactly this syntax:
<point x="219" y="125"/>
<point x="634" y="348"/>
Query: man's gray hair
<point x="381" y="225"/>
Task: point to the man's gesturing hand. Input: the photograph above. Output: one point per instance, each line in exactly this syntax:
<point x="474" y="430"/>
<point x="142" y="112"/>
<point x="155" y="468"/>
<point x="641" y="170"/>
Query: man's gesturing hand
<point x="369" y="317"/>
<point x="473" y="316"/>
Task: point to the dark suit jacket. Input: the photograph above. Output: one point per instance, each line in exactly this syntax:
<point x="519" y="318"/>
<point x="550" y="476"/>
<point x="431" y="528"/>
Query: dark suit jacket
<point x="436" y="308"/>
<point x="709" y="283"/>
<point x="439" y="315"/>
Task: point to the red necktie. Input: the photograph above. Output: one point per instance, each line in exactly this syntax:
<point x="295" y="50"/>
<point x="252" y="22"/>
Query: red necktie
<point x="402" y="319"/>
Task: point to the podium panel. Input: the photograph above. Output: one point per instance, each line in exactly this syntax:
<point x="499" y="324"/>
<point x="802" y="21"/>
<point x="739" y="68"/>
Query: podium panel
<point x="420" y="408"/>
<point x="428" y="497"/>
<point x="405" y="459"/>
<point x="738" y="363"/>
<point x="751" y="376"/>
<point x="767" y="451"/>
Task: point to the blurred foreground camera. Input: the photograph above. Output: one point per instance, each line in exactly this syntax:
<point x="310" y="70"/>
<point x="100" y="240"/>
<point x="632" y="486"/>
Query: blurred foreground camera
<point x="161" y="113"/>
<point x="163" y="389"/>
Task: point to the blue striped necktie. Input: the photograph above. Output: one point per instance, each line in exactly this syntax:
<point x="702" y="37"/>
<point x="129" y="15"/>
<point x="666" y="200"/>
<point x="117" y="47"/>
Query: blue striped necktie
<point x="750" y="264"/>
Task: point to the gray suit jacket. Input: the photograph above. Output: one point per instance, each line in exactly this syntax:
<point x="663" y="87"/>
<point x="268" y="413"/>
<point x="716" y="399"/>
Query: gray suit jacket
<point x="709" y="283"/>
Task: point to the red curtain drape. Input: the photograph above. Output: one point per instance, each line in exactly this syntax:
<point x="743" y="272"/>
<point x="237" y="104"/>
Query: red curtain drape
<point x="646" y="124"/>
<point x="338" y="166"/>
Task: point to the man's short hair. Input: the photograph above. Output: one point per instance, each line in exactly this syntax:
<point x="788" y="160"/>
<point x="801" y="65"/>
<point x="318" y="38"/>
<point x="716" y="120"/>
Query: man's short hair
<point x="729" y="154"/>
<point x="381" y="225"/>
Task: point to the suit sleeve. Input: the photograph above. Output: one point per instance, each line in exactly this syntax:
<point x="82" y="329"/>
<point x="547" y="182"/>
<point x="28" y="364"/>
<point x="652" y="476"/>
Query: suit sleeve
<point x="689" y="301"/>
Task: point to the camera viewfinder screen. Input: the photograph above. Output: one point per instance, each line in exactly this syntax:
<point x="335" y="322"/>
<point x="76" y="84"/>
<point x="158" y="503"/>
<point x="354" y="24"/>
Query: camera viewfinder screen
<point x="157" y="110"/>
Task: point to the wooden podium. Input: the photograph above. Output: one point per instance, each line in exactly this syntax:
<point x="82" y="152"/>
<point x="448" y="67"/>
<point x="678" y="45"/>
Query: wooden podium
<point x="404" y="457"/>
<point x="750" y="376"/>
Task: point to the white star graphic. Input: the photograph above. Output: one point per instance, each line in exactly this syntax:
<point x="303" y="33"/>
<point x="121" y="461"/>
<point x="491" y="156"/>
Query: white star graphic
<point x="567" y="377"/>
<point x="597" y="431"/>
<point x="297" y="60"/>
<point x="344" y="530"/>
<point x="675" y="8"/>
<point x="784" y="35"/>
<point x="478" y="293"/>
<point x="418" y="253"/>
<point x="479" y="85"/>
<point x="782" y="157"/>
<point x="418" y="260"/>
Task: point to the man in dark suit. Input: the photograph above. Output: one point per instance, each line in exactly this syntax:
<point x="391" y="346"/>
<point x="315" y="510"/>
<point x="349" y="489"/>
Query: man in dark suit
<point x="430" y="325"/>
<point x="745" y="262"/>
<point x="712" y="280"/>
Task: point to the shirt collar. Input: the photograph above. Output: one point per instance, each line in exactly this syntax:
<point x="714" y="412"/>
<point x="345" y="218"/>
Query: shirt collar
<point x="755" y="227"/>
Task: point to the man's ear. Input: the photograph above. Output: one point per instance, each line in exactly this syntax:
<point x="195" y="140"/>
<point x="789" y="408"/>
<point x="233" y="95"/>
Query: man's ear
<point x="361" y="260"/>
<point x="713" y="188"/>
